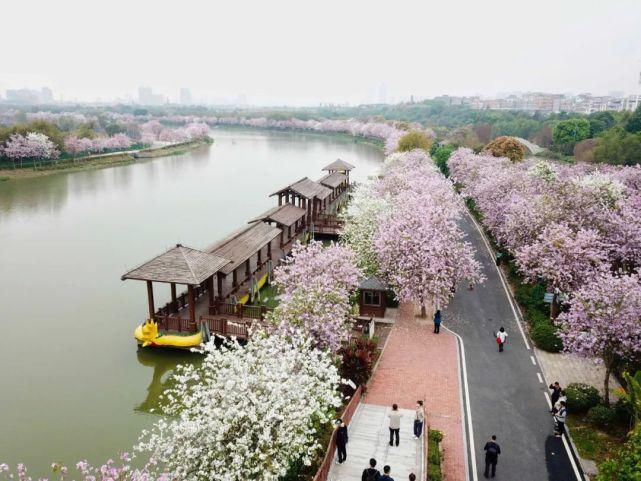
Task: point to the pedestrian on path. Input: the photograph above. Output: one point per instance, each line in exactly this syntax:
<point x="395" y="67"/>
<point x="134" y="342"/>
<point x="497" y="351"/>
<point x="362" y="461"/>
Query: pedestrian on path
<point x="437" y="321"/>
<point x="341" y="441"/>
<point x="501" y="337"/>
<point x="562" y="398"/>
<point x="412" y="477"/>
<point x="418" y="419"/>
<point x="492" y="451"/>
<point x="386" y="476"/>
<point x="371" y="473"/>
<point x="394" y="424"/>
<point x="556" y="393"/>
<point x="560" y="420"/>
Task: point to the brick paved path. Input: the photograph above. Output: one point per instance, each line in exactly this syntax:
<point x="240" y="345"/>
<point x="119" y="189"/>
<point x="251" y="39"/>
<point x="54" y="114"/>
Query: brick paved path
<point x="418" y="364"/>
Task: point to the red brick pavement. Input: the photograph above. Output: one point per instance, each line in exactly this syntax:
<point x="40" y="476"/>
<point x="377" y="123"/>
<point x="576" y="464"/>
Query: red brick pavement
<point x="418" y="364"/>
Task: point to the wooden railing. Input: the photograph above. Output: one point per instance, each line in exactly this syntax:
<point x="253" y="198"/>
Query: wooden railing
<point x="323" y="470"/>
<point x="175" y="323"/>
<point x="238" y="310"/>
<point x="226" y="327"/>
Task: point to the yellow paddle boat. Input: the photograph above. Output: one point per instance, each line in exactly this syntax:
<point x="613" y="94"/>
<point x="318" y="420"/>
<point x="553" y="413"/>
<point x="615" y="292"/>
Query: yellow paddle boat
<point x="147" y="335"/>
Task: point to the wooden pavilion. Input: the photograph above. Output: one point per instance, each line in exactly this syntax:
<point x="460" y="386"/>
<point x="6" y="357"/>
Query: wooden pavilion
<point x="339" y="166"/>
<point x="244" y="248"/>
<point x="180" y="265"/>
<point x="307" y="194"/>
<point x="337" y="181"/>
<point x="288" y="218"/>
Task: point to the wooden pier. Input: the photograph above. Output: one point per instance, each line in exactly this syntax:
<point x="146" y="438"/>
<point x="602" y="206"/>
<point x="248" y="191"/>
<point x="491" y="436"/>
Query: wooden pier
<point x="222" y="278"/>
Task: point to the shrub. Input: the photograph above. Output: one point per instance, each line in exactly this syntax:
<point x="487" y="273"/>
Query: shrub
<point x="602" y="416"/>
<point x="441" y="153"/>
<point x="434" y="458"/>
<point x="584" y="150"/>
<point x="545" y="336"/>
<point x="624" y="411"/>
<point x="530" y="296"/>
<point x="506" y="147"/>
<point x="414" y="139"/>
<point x="624" y="467"/>
<point x="581" y="397"/>
<point x="357" y="361"/>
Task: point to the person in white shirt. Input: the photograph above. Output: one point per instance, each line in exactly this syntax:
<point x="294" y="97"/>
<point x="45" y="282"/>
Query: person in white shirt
<point x="501" y="337"/>
<point x="394" y="424"/>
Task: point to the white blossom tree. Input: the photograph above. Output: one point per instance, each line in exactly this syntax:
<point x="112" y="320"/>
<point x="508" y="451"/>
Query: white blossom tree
<point x="247" y="412"/>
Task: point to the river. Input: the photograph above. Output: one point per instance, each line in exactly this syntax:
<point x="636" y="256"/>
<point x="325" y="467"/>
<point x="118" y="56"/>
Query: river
<point x="72" y="383"/>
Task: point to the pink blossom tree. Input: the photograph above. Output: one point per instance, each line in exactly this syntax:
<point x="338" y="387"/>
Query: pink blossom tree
<point x="34" y="146"/>
<point x="604" y="321"/>
<point x="315" y="285"/>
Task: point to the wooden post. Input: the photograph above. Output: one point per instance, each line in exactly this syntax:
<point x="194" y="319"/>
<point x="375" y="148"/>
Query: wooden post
<point x="192" y="304"/>
<point x="269" y="250"/>
<point x="234" y="279"/>
<point x="210" y="288"/>
<point x="173" y="296"/>
<point x="150" y="300"/>
<point x="248" y="268"/>
<point x="280" y="199"/>
<point x="289" y="233"/>
<point x="219" y="278"/>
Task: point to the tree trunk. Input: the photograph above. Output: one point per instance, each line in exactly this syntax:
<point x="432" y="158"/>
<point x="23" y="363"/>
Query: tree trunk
<point x="423" y="311"/>
<point x="606" y="383"/>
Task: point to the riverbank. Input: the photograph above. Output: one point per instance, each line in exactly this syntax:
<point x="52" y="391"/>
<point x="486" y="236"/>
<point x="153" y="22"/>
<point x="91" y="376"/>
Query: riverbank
<point x="102" y="160"/>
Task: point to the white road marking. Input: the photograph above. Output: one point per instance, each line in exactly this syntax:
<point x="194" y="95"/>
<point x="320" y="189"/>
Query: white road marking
<point x="538" y="374"/>
<point x="533" y="360"/>
<point x="507" y="292"/>
<point x="470" y="429"/>
<point x="577" y="473"/>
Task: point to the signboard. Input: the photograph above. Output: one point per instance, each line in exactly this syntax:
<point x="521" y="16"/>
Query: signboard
<point x="547" y="297"/>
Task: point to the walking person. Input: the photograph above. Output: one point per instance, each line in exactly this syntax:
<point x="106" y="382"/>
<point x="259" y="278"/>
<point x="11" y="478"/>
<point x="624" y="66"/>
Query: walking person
<point x="501" y="337"/>
<point x="419" y="419"/>
<point x="386" y="476"/>
<point x="560" y="418"/>
<point x="437" y="321"/>
<point x="556" y="393"/>
<point x="371" y="473"/>
<point x="412" y="477"/>
<point x="341" y="441"/>
<point x="492" y="451"/>
<point x="394" y="424"/>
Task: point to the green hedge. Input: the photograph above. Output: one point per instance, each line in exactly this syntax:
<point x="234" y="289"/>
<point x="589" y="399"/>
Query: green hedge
<point x="545" y="336"/>
<point x="581" y="397"/>
<point x="627" y="465"/>
<point x="434" y="458"/>
<point x="602" y="416"/>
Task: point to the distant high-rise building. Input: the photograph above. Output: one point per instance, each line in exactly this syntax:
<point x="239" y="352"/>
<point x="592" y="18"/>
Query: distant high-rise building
<point x="382" y="94"/>
<point x="146" y="96"/>
<point x="185" y="96"/>
<point x="46" y="95"/>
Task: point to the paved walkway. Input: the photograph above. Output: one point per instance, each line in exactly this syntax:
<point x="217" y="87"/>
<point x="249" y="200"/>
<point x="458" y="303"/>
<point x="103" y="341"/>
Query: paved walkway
<point x="569" y="368"/>
<point x="418" y="364"/>
<point x="369" y="438"/>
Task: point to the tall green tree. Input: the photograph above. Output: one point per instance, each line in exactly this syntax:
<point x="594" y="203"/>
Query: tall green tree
<point x="634" y="122"/>
<point x="567" y="133"/>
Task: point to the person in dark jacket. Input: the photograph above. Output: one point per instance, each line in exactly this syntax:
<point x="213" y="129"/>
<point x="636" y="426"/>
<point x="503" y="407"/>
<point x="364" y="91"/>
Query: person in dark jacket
<point x="437" y="321"/>
<point x="371" y="473"/>
<point x="386" y="476"/>
<point x="492" y="451"/>
<point x="556" y="393"/>
<point x="341" y="441"/>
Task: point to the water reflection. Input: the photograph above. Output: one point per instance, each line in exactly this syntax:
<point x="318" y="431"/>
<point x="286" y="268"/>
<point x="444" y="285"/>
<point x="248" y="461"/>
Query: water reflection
<point x="164" y="363"/>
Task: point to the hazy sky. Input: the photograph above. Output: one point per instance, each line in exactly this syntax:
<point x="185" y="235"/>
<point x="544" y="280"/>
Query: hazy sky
<point x="304" y="52"/>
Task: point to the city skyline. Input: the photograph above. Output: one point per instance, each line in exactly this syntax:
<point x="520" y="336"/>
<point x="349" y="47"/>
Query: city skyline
<point x="313" y="55"/>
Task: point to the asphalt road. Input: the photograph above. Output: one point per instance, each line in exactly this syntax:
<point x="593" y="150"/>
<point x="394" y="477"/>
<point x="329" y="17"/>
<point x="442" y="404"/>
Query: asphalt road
<point x="505" y="394"/>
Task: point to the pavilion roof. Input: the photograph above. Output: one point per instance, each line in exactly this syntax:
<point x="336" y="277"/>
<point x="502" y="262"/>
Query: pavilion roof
<point x="306" y="188"/>
<point x="243" y="244"/>
<point x="333" y="180"/>
<point x="372" y="284"/>
<point x="340" y="166"/>
<point x="286" y="215"/>
<point x="180" y="264"/>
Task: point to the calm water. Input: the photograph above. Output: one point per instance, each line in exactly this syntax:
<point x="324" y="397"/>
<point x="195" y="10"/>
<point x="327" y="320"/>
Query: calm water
<point x="72" y="383"/>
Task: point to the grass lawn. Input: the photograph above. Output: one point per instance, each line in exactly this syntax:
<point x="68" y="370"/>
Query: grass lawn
<point x="593" y="443"/>
<point x="268" y="297"/>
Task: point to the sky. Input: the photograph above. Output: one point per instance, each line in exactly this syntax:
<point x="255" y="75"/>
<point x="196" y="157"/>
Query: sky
<point x="299" y="52"/>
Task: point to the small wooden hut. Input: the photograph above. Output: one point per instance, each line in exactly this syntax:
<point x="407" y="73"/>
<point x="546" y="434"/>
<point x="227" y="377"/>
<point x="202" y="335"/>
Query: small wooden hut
<point x="372" y="297"/>
<point x="339" y="166"/>
<point x="307" y="194"/>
